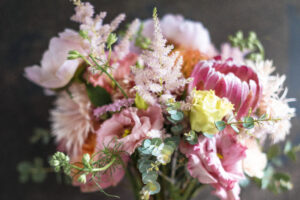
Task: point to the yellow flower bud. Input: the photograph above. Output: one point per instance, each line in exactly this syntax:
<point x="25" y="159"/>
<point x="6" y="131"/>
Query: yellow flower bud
<point x="207" y="108"/>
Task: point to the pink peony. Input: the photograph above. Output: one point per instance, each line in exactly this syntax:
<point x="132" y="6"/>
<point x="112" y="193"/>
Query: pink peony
<point x="56" y="70"/>
<point x="217" y="161"/>
<point x="130" y="128"/>
<point x="238" y="83"/>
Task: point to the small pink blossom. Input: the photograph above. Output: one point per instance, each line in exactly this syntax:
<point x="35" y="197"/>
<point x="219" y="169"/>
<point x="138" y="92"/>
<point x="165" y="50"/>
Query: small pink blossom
<point x="130" y="128"/>
<point x="114" y="107"/>
<point x="56" y="70"/>
<point x="121" y="72"/>
<point x="239" y="83"/>
<point x="217" y="161"/>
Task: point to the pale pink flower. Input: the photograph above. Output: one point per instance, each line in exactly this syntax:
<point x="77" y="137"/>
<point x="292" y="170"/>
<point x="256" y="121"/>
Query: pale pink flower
<point x="238" y="83"/>
<point x="71" y="119"/>
<point x="186" y="33"/>
<point x="130" y="127"/>
<point x="217" y="161"/>
<point x="255" y="161"/>
<point x="56" y="70"/>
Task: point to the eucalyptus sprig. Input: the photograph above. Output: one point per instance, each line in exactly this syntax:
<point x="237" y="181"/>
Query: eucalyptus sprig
<point x="247" y="122"/>
<point x="251" y="43"/>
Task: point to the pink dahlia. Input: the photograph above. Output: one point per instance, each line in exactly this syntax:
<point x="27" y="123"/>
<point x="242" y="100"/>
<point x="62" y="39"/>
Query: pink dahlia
<point x="238" y="83"/>
<point x="217" y="161"/>
<point x="130" y="128"/>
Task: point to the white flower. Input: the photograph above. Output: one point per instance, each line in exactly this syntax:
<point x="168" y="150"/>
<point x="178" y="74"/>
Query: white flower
<point x="71" y="121"/>
<point x="255" y="161"/>
<point x="186" y="33"/>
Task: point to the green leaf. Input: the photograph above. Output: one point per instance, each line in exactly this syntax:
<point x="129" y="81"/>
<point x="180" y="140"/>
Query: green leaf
<point x="112" y="38"/>
<point x="288" y="147"/>
<point x="84" y="34"/>
<point x="149" y="177"/>
<point x="267" y="177"/>
<point x="40" y="135"/>
<point x="235" y="128"/>
<point x="140" y="103"/>
<point x="178" y="116"/>
<point x="263" y="117"/>
<point x="273" y="151"/>
<point x="208" y="135"/>
<point x="98" y="95"/>
<point x="221" y="125"/>
<point x="248" y="123"/>
<point x="177" y="129"/>
<point x="153" y="187"/>
<point x="73" y="54"/>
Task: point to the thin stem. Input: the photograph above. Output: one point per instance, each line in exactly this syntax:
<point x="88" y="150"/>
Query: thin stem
<point x="166" y="177"/>
<point x="106" y="166"/>
<point x="174" y="163"/>
<point x="189" y="190"/>
<point x="103" y="70"/>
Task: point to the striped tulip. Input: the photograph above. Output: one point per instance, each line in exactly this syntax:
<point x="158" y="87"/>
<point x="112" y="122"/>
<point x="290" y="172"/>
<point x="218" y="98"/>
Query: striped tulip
<point x="238" y="83"/>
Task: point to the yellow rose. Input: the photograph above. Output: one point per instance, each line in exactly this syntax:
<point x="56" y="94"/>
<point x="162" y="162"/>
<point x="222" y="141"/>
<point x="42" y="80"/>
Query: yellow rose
<point x="207" y="108"/>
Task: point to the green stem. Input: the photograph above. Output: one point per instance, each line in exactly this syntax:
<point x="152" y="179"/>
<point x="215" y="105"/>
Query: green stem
<point x="134" y="185"/>
<point x="95" y="169"/>
<point x="108" y="74"/>
<point x="189" y="190"/>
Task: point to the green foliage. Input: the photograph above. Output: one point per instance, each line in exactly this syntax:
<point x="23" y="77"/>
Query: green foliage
<point x="220" y="125"/>
<point x="291" y="151"/>
<point x="98" y="95"/>
<point x="73" y="54"/>
<point x="40" y="134"/>
<point x="275" y="182"/>
<point x="84" y="34"/>
<point x="140" y="103"/>
<point x="112" y="38"/>
<point x="248" y="122"/>
<point x="153" y="153"/>
<point x="273" y="152"/>
<point x="191" y="137"/>
<point x="34" y="171"/>
<point x="251" y="44"/>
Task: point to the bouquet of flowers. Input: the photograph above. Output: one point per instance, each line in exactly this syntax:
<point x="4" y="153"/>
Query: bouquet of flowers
<point x="161" y="105"/>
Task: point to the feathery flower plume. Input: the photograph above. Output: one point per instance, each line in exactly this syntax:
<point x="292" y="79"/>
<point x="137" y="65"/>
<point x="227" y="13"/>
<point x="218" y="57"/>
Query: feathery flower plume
<point x="122" y="49"/>
<point x="162" y="73"/>
<point x="274" y="101"/>
<point x="114" y="107"/>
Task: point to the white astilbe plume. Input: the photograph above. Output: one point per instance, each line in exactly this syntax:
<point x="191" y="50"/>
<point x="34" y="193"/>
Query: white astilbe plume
<point x="274" y="101"/>
<point x="122" y="49"/>
<point x="71" y="119"/>
<point x="97" y="31"/>
<point x="161" y="76"/>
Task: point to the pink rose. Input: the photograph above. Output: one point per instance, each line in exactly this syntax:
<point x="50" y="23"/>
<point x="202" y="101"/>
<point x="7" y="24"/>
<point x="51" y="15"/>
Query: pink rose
<point x="56" y="70"/>
<point x="130" y="128"/>
<point x="238" y="83"/>
<point x="217" y="161"/>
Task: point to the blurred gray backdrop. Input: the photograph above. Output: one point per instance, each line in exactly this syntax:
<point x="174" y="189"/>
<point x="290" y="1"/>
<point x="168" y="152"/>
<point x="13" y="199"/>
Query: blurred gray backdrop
<point x="27" y="26"/>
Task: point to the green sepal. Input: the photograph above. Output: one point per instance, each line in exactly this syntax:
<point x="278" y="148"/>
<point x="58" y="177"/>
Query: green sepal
<point x="98" y="95"/>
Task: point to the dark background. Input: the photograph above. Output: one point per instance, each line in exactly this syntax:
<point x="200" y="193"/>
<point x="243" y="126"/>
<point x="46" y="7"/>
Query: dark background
<point x="27" y="26"/>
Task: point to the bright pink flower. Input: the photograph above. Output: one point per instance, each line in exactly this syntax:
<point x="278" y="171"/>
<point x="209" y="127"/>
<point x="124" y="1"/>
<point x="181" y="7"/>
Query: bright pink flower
<point x="217" y="161"/>
<point x="130" y="128"/>
<point x="238" y="83"/>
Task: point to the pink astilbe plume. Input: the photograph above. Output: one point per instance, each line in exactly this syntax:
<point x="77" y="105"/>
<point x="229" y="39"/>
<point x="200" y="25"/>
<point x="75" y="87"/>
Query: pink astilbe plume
<point x="71" y="119"/>
<point x="238" y="83"/>
<point x="161" y="75"/>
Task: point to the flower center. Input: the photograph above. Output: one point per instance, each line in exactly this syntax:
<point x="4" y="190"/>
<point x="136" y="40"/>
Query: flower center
<point x="126" y="132"/>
